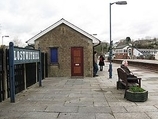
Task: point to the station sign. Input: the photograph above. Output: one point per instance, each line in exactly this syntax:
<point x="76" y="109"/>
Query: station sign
<point x="22" y="56"/>
<point x="19" y="55"/>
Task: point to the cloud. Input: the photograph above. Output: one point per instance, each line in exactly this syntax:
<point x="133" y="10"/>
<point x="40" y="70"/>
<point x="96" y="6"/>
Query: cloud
<point x="25" y="19"/>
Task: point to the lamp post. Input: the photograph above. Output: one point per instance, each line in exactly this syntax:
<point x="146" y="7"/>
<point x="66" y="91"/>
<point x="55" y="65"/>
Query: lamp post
<point x="2" y="38"/>
<point x="111" y="42"/>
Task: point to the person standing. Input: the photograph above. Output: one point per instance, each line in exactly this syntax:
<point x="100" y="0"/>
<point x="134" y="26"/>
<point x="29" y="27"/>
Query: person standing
<point x="101" y="62"/>
<point x="95" y="65"/>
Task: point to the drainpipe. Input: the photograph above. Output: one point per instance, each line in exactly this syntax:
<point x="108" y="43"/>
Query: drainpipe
<point x="94" y="47"/>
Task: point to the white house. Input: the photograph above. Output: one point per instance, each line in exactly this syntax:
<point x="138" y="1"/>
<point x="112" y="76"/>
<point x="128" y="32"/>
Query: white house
<point x="126" y="52"/>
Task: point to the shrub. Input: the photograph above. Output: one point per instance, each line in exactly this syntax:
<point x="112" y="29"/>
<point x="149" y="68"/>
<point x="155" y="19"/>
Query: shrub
<point x="136" y="89"/>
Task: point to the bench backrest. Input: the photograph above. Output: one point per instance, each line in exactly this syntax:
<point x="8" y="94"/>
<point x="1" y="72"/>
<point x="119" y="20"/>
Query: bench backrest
<point x="121" y="74"/>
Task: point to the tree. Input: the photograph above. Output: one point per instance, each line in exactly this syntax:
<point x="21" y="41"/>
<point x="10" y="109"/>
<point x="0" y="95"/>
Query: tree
<point x="102" y="48"/>
<point x="18" y="42"/>
<point x="128" y="40"/>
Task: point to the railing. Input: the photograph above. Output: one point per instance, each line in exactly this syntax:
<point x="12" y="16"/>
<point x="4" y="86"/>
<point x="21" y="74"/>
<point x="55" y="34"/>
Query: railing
<point x="25" y="74"/>
<point x="1" y="76"/>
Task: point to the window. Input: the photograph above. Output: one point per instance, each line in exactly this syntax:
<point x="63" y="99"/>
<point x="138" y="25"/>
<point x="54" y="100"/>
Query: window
<point x="54" y="55"/>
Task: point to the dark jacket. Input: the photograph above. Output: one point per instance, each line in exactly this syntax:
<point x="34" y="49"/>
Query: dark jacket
<point x="129" y="74"/>
<point x="101" y="60"/>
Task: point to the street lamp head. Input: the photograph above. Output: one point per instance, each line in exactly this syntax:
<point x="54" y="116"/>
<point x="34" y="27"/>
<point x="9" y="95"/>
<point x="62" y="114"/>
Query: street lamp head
<point x="121" y="2"/>
<point x="2" y="38"/>
<point x="6" y="36"/>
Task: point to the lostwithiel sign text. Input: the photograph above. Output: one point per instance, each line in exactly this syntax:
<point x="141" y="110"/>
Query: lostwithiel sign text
<point x="25" y="55"/>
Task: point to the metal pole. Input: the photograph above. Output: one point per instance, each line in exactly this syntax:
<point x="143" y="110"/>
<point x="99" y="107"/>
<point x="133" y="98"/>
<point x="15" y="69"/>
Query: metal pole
<point x="2" y="40"/>
<point x="11" y="72"/>
<point x="40" y="69"/>
<point x="110" y="50"/>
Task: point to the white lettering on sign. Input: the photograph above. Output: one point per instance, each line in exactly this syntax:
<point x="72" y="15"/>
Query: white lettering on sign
<point x="20" y="55"/>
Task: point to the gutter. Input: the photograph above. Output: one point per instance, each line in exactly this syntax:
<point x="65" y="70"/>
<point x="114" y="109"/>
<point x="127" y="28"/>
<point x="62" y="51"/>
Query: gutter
<point x="97" y="44"/>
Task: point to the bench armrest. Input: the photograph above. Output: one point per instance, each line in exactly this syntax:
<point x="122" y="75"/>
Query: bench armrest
<point x="133" y="78"/>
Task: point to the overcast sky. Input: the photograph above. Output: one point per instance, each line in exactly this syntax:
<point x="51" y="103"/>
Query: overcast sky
<point x="23" y="19"/>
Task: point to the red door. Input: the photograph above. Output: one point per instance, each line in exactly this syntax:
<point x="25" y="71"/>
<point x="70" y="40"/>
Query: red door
<point x="76" y="61"/>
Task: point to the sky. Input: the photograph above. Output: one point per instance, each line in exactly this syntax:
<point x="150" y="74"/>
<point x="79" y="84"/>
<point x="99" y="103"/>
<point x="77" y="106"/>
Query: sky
<point x="23" y="19"/>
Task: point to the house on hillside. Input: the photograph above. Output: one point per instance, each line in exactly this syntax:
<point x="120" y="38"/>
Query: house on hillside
<point x="126" y="52"/>
<point x="156" y="56"/>
<point x="147" y="52"/>
<point x="69" y="49"/>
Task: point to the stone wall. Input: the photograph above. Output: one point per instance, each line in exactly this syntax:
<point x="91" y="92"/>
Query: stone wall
<point x="64" y="37"/>
<point x="145" y="64"/>
<point x="121" y="56"/>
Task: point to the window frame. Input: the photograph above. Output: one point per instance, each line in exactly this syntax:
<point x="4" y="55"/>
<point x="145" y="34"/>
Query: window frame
<point x="54" y="49"/>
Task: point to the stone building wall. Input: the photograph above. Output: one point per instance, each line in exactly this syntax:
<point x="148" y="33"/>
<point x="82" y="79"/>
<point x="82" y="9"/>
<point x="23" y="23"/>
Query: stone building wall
<point x="64" y="38"/>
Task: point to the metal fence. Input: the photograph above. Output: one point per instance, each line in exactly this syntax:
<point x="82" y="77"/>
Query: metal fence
<point x="31" y="74"/>
<point x="22" y="81"/>
<point x="1" y="76"/>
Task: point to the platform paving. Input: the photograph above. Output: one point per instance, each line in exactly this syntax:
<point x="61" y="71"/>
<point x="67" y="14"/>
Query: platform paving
<point x="83" y="98"/>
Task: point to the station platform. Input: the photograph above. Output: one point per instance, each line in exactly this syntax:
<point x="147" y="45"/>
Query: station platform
<point x="84" y="98"/>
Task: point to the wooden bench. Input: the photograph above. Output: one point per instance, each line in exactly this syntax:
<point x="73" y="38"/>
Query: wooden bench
<point x="123" y="79"/>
